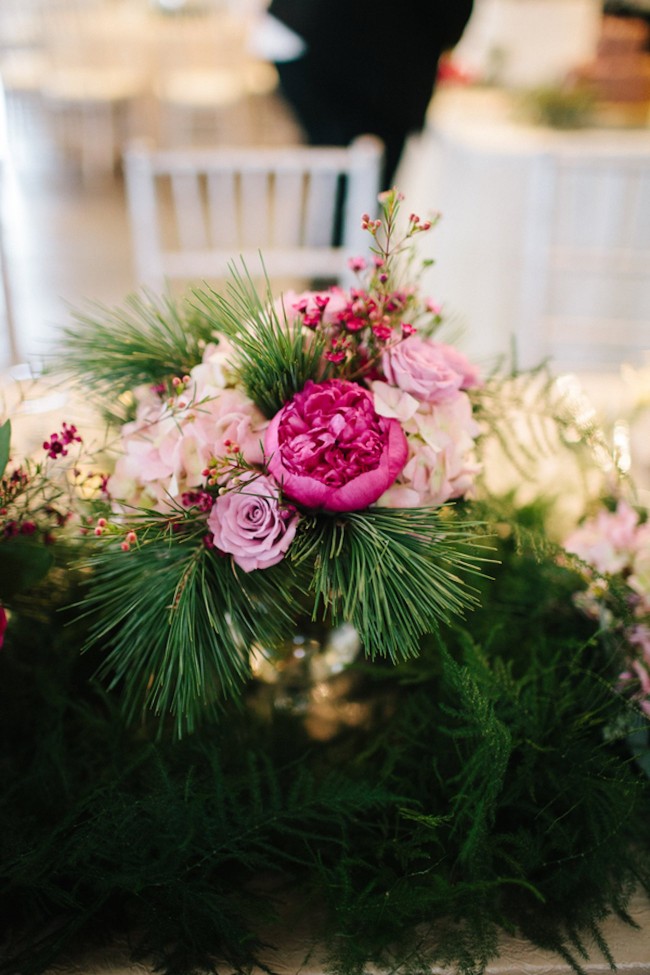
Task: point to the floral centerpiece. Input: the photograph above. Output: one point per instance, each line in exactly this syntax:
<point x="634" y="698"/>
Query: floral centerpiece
<point x="301" y="464"/>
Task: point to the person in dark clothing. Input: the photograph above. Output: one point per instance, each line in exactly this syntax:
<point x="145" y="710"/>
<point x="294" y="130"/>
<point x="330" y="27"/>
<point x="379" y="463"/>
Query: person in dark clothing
<point x="363" y="70"/>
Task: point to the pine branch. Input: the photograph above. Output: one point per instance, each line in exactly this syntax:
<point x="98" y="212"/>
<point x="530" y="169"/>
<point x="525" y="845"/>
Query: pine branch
<point x="111" y="351"/>
<point x="275" y="361"/>
<point x="394" y="574"/>
<point x="180" y="623"/>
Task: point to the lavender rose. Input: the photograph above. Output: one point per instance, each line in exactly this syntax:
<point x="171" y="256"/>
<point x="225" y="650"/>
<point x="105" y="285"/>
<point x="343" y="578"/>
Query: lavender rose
<point x="329" y="449"/>
<point x="250" y="524"/>
<point x="429" y="371"/>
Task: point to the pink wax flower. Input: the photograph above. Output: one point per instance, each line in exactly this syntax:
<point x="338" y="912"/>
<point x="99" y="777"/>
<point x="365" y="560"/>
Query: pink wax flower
<point x="249" y="523"/>
<point x="329" y="449"/>
<point x="313" y="307"/>
<point x="423" y="368"/>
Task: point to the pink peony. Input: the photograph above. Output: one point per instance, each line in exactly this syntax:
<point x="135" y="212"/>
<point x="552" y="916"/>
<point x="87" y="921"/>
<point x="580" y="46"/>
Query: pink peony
<point x="248" y="523"/>
<point x="429" y="371"/>
<point x="329" y="449"/>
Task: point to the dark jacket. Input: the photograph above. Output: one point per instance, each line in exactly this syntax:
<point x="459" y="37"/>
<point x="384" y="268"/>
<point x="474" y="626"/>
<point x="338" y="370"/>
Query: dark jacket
<point x="385" y="61"/>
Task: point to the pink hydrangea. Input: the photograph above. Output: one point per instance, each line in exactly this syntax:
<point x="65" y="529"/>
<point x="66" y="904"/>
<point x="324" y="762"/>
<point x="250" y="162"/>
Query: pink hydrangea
<point x="430" y="371"/>
<point x="167" y="448"/>
<point x="330" y="450"/>
<point x="441" y="436"/>
<point x="639" y="579"/>
<point x="607" y="541"/>
<point x="249" y="523"/>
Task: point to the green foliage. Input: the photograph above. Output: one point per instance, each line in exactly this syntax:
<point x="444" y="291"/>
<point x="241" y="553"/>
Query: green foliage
<point x="274" y="361"/>
<point x="394" y="574"/>
<point x="488" y="793"/>
<point x="197" y="620"/>
<point x="111" y="351"/>
<point x="23" y="564"/>
<point x="533" y="418"/>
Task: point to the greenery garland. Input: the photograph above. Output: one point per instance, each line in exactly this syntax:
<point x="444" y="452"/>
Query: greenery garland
<point x="485" y="792"/>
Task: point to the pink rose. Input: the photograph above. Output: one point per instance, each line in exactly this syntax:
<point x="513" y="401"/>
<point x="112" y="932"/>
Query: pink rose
<point x="458" y="361"/>
<point x="329" y="449"/>
<point x="430" y="371"/>
<point x="250" y="524"/>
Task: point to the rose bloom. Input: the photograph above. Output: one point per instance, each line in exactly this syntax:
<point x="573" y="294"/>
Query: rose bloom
<point x="248" y="523"/>
<point x="329" y="449"/>
<point x="215" y="371"/>
<point x="428" y="370"/>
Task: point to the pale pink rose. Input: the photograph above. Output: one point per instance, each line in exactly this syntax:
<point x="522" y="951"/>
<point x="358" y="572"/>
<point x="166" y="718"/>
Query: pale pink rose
<point x="459" y="362"/>
<point x="441" y="464"/>
<point x="330" y="450"/>
<point x="249" y="523"/>
<point x="420" y="366"/>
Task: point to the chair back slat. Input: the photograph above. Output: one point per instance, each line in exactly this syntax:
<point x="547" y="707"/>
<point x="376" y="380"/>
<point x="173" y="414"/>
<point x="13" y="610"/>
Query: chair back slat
<point x="223" y="218"/>
<point x="584" y="301"/>
<point x="320" y="209"/>
<point x="255" y="225"/>
<point x="189" y="209"/>
<point x="289" y="204"/>
<point x="227" y="202"/>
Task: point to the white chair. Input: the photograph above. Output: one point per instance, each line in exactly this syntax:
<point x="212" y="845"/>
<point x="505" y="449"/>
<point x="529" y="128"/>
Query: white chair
<point x="194" y="212"/>
<point x="585" y="289"/>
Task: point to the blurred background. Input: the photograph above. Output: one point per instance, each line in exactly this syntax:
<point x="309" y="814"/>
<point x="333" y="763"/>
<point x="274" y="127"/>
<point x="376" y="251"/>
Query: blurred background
<point x="535" y="150"/>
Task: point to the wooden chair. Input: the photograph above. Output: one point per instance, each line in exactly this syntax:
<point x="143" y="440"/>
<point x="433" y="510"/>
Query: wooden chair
<point x="194" y="212"/>
<point x="585" y="290"/>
